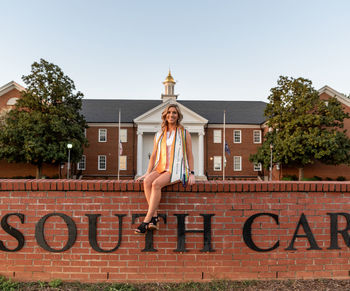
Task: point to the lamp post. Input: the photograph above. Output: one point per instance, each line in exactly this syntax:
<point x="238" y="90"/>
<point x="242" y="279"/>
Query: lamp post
<point x="271" y="148"/>
<point x="69" y="146"/>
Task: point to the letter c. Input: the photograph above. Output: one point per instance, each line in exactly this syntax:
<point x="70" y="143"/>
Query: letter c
<point x="247" y="232"/>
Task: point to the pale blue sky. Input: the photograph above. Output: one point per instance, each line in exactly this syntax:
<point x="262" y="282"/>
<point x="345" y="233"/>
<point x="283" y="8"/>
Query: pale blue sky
<point x="217" y="50"/>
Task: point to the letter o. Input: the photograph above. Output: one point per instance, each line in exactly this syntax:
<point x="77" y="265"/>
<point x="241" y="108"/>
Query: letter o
<point x="40" y="237"/>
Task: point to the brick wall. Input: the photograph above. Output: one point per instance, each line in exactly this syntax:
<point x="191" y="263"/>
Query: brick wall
<point x="110" y="150"/>
<point x="284" y="207"/>
<point x="243" y="149"/>
<point x="14" y="93"/>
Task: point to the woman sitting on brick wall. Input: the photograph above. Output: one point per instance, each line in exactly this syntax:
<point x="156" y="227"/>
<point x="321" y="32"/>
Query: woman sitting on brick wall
<point x="171" y="162"/>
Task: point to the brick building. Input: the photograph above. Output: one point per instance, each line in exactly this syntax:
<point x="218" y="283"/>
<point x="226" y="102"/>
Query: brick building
<point x="140" y="120"/>
<point x="319" y="169"/>
<point x="9" y="93"/>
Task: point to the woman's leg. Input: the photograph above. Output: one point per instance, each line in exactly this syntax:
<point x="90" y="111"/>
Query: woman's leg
<point x="156" y="192"/>
<point x="147" y="184"/>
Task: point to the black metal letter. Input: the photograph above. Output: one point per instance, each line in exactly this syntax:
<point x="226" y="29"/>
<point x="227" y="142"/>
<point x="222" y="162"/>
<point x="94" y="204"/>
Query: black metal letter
<point x="40" y="237"/>
<point x="308" y="234"/>
<point x="181" y="233"/>
<point x="13" y="232"/>
<point x="247" y="232"/>
<point x="149" y="234"/>
<point x="93" y="232"/>
<point x="335" y="231"/>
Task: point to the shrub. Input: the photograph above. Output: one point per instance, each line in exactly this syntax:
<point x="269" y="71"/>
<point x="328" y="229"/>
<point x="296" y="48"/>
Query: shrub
<point x="7" y="284"/>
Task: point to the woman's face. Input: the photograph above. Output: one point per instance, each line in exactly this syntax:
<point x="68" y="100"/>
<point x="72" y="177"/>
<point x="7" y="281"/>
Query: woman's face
<point x="172" y="115"/>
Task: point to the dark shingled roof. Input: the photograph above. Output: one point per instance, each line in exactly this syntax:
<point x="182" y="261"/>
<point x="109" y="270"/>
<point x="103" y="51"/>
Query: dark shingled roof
<point x="237" y="112"/>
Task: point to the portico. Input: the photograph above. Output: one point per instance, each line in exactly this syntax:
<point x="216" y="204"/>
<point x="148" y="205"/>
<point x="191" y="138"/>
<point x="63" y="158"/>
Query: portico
<point x="149" y="123"/>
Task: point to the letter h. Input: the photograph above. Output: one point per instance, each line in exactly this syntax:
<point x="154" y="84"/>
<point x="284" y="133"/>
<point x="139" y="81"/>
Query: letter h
<point x="181" y="233"/>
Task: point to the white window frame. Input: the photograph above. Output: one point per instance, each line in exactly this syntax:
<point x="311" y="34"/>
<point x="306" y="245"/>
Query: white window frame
<point x="12" y="101"/>
<point x="259" y="136"/>
<point x="99" y="162"/>
<point x="82" y="163"/>
<point x="123" y="135"/>
<point x="240" y="136"/>
<point x="123" y="166"/>
<point x="235" y="159"/>
<point x="257" y="167"/>
<point x="217" y="160"/>
<point x="101" y="135"/>
<point x="217" y="136"/>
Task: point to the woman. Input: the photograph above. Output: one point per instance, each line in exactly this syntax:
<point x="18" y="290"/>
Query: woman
<point x="171" y="161"/>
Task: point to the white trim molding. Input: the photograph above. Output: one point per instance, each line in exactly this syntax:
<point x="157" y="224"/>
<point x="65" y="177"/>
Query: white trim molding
<point x="10" y="86"/>
<point x="333" y="93"/>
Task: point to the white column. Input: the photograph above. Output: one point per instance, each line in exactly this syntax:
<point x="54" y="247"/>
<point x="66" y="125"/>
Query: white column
<point x="201" y="153"/>
<point x="139" y="153"/>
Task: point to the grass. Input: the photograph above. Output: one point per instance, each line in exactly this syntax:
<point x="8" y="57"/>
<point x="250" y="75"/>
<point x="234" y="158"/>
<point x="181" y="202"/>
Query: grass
<point x="57" y="284"/>
<point x="215" y="285"/>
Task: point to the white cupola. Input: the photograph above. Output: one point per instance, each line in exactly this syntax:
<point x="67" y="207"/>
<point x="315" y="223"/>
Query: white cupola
<point x="169" y="84"/>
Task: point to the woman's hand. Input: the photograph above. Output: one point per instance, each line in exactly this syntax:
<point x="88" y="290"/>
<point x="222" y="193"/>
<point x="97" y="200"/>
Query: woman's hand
<point x="142" y="177"/>
<point x="191" y="179"/>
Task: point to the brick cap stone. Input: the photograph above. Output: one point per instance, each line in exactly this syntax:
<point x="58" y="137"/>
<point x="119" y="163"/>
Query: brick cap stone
<point x="200" y="186"/>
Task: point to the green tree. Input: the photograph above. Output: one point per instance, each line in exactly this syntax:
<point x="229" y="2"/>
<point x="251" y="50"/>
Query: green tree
<point x="44" y="120"/>
<point x="303" y="128"/>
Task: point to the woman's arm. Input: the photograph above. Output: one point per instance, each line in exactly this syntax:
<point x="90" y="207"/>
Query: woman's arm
<point x="152" y="160"/>
<point x="191" y="179"/>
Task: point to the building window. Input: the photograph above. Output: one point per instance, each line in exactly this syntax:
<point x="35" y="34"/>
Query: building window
<point x="217" y="136"/>
<point x="257" y="136"/>
<point x="122" y="163"/>
<point x="217" y="163"/>
<point x="123" y="135"/>
<point x="82" y="163"/>
<point x="85" y="132"/>
<point x="102" y="135"/>
<point x="12" y="101"/>
<point x="257" y="167"/>
<point x="237" y="136"/>
<point x="237" y="163"/>
<point x="102" y="162"/>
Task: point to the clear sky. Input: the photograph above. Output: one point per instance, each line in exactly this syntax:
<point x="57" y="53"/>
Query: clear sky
<point x="216" y="49"/>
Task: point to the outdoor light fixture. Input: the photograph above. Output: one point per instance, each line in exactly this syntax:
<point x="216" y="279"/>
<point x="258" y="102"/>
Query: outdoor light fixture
<point x="271" y="161"/>
<point x="69" y="146"/>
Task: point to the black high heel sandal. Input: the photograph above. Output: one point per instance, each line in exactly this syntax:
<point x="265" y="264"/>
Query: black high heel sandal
<point x="142" y="228"/>
<point x="153" y="223"/>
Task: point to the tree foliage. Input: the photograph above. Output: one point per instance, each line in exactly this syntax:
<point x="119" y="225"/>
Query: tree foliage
<point x="44" y="120"/>
<point x="303" y="128"/>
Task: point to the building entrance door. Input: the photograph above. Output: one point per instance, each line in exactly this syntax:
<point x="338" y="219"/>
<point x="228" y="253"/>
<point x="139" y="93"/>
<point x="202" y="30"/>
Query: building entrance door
<point x="148" y="138"/>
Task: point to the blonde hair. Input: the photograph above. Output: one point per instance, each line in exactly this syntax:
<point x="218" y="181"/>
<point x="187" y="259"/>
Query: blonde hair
<point x="165" y="112"/>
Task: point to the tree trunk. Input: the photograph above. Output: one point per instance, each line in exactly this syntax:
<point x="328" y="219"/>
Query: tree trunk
<point x="38" y="171"/>
<point x="301" y="174"/>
